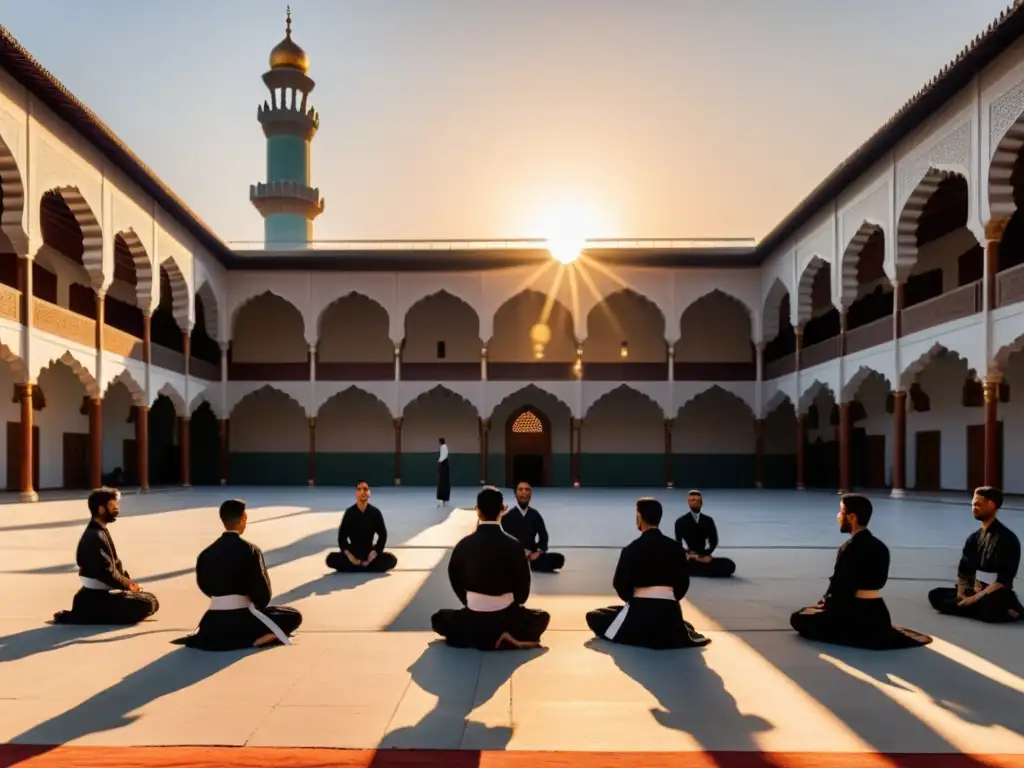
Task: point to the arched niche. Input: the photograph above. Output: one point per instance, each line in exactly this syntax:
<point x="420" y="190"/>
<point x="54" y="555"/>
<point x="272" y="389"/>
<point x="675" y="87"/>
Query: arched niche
<point x="269" y="440"/>
<point x="434" y="414"/>
<point x="441" y="328"/>
<point x="531" y="327"/>
<point x="118" y="432"/>
<point x="625" y="328"/>
<point x="269" y="332"/>
<point x="355" y="440"/>
<point x="727" y="353"/>
<point x="623" y="441"/>
<point x="127" y="294"/>
<point x="779" y="436"/>
<point x="204" y="433"/>
<point x="63" y="428"/>
<point x="354" y="329"/>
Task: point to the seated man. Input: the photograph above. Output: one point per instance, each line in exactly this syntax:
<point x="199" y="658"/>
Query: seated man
<point x="651" y="578"/>
<point x="992" y="549"/>
<point x="697" y="534"/>
<point x="853" y="612"/>
<point x="108" y="594"/>
<point x="231" y="572"/>
<point x="525" y="523"/>
<point x="359" y="524"/>
<point x="489" y="575"/>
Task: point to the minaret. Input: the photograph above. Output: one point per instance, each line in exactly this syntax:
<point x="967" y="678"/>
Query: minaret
<point x="287" y="203"/>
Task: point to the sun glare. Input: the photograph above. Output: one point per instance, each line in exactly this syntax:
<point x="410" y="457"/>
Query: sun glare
<point x="565" y="229"/>
<point x="565" y="249"/>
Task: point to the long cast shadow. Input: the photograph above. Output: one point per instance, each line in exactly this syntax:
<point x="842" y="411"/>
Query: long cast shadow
<point x="327" y="584"/>
<point x="53" y="637"/>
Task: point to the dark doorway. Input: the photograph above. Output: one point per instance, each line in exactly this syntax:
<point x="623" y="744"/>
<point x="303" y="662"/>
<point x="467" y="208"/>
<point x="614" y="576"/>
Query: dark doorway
<point x="527" y="447"/>
<point x="928" y="461"/>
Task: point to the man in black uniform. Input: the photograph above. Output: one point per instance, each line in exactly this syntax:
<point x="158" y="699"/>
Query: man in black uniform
<point x="108" y="594"/>
<point x="491" y="578"/>
<point x="697" y="534"/>
<point x="853" y="612"/>
<point x="359" y="524"/>
<point x="651" y="578"/>
<point x="231" y="572"/>
<point x="992" y="549"/>
<point x="525" y="523"/>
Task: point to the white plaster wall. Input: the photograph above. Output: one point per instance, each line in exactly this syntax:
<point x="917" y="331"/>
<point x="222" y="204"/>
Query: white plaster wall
<point x="354" y="329"/>
<point x="630" y="318"/>
<point x="64" y="394"/>
<point x="512" y="325"/>
<point x="354" y="421"/>
<point x="117" y="405"/>
<point x="269" y="330"/>
<point x="440" y="414"/>
<point x="1012" y="416"/>
<point x="268" y="421"/>
<point x="731" y="340"/>
<point x="714" y="422"/>
<point x="623" y="421"/>
<point x="557" y="412"/>
<point x="441" y="317"/>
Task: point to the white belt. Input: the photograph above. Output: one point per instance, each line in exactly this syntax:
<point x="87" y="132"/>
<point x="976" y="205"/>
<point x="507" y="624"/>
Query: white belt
<point x="648" y="593"/>
<point x="237" y="602"/>
<point x="488" y="603"/>
<point x="96" y="584"/>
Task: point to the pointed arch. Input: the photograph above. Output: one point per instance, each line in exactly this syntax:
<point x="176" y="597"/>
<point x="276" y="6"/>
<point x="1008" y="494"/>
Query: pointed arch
<point x="268" y="293"/>
<point x="350" y="390"/>
<point x="910" y="217"/>
<point x="134" y="388"/>
<point x="851" y="260"/>
<point x="441" y="318"/>
<point x="439" y="391"/>
<point x="716" y="391"/>
<point x="859" y="378"/>
<point x="143" y="267"/>
<point x="89" y="225"/>
<point x="359" y="296"/>
<point x="180" y="294"/>
<point x="265" y="389"/>
<point x="811" y="393"/>
<point x="625" y="315"/>
<point x="805" y="288"/>
<point x="1001" y="202"/>
<point x="211" y="310"/>
<point x="531" y="325"/>
<point x="772" y="308"/>
<point x="82" y="373"/>
<point x="530" y="393"/>
<point x="171" y="392"/>
<point x="915" y="367"/>
<point x="776" y="401"/>
<point x="624" y="390"/>
<point x="12" y="188"/>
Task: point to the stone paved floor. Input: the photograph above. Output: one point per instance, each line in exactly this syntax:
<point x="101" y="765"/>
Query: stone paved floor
<point x="364" y="671"/>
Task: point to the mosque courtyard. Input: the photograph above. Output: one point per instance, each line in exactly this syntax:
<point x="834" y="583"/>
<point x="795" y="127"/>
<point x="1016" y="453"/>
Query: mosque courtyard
<point x="366" y="673"/>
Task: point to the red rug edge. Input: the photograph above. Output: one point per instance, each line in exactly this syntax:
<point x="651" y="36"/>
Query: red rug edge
<point x="35" y="756"/>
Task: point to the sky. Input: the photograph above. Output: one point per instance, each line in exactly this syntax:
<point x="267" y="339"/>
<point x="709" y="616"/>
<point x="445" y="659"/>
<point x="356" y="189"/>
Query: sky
<point x="444" y="119"/>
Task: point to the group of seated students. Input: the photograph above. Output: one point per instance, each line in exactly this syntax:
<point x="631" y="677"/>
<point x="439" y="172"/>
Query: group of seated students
<point x="490" y="574"/>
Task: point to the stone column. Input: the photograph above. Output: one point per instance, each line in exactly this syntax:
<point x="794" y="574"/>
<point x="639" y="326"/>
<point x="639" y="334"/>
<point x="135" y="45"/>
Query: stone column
<point x="801" y="441"/>
<point x="671" y="362"/>
<point x="185" y="444"/>
<point x="992" y="457"/>
<point x="576" y="436"/>
<point x="844" y="448"/>
<point x="28" y="492"/>
<point x="483" y="364"/>
<point x="100" y="315"/>
<point x="225" y="436"/>
<point x="186" y="346"/>
<point x="398" y="451"/>
<point x="95" y="442"/>
<point x="669" y="424"/>
<point x="311" y="474"/>
<point x="142" y="445"/>
<point x="758" y="453"/>
<point x="899" y="444"/>
<point x="485" y="430"/>
<point x="897" y="308"/>
<point x="993" y="235"/>
<point x="842" y="333"/>
<point x="799" y="347"/>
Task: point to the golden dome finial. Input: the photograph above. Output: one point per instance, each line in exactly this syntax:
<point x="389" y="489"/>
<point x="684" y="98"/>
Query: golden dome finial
<point x="286" y="53"/>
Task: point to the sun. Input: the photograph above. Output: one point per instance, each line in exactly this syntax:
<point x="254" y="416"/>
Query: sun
<point x="566" y="247"/>
<point x="565" y="228"/>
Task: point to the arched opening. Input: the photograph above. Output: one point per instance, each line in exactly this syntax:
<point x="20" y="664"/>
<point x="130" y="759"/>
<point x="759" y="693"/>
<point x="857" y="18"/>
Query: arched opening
<point x="625" y="340"/>
<point x="355" y="440"/>
<point x="268" y="342"/>
<point x="556" y="420"/>
<point x="120" y="453"/>
<point x="622" y="442"/>
<point x="871" y="407"/>
<point x="10" y="412"/>
<point x="63" y="428"/>
<point x="164" y="329"/>
<point x="817" y="314"/>
<point x="12" y="206"/>
<point x="1011" y="246"/>
<point x="204" y="446"/>
<point x="779" y="353"/>
<point x="821" y="424"/>
<point x="945" y="424"/>
<point x="121" y="303"/>
<point x="269" y="440"/>
<point x="713" y="441"/>
<point x="203" y="346"/>
<point x="938" y="256"/>
<point x="725" y="355"/>
<point x="779" y="435"/>
<point x="533" y="339"/>
<point x="527" y="447"/>
<point x="442" y="340"/>
<point x="434" y="414"/>
<point x="61" y="276"/>
<point x="164" y="453"/>
<point x="867" y="291"/>
<point x="354" y="342"/>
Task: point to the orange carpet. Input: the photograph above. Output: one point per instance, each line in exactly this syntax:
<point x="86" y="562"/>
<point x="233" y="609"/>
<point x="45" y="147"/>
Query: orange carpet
<point x="285" y="757"/>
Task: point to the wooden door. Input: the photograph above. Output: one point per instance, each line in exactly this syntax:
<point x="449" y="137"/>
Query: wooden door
<point x="76" y="460"/>
<point x="14" y="456"/>
<point x="976" y="455"/>
<point x="928" y="463"/>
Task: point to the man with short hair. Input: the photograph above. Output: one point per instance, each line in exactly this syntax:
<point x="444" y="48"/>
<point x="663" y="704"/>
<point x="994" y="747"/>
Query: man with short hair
<point x="491" y="578"/>
<point x="993" y="550"/>
<point x="525" y="523"/>
<point x="360" y="523"/>
<point x="853" y="612"/>
<point x="651" y="578"/>
<point x="231" y="572"/>
<point x="108" y="594"/>
<point x="697" y="534"/>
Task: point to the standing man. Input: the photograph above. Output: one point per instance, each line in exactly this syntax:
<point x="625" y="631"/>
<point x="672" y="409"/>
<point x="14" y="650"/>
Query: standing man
<point x="697" y="534"/>
<point x="360" y="524"/>
<point x="525" y="523"/>
<point x="444" y="478"/>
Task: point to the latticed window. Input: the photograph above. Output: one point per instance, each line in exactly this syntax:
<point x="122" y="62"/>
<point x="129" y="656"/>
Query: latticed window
<point x="527" y="423"/>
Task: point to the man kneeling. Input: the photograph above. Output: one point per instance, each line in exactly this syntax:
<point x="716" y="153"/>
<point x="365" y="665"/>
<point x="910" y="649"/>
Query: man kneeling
<point x="231" y="572"/>
<point x="108" y="594"/>
<point x="359" y="525"/>
<point x="853" y="612"/>
<point x="651" y="578"/>
<point x="697" y="534"/>
<point x="491" y="578"/>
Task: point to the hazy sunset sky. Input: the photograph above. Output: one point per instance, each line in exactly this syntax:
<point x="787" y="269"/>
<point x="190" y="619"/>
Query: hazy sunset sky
<point x="486" y="119"/>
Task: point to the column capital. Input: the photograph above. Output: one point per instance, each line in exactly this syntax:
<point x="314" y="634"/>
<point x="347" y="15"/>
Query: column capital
<point x="669" y="423"/>
<point x="994" y="229"/>
<point x="398" y="422"/>
<point x="312" y="422"/>
<point x="483" y="351"/>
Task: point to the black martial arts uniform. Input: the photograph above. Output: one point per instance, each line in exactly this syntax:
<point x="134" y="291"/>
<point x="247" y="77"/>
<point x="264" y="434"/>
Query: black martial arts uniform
<point x="651" y="560"/>
<point x="489" y="562"/>
<point x="995" y="551"/>
<point x="444" y="478"/>
<point x="108" y="599"/>
<point x="528" y="527"/>
<point x="234" y="566"/>
<point x="356" y="534"/>
<point x="842" y="618"/>
<point x="699" y="536"/>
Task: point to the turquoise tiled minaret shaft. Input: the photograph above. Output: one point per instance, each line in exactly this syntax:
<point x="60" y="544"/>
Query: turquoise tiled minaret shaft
<point x="286" y="201"/>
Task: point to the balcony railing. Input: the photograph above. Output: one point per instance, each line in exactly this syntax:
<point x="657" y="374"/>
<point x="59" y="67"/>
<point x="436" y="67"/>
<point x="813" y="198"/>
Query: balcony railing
<point x="625" y="371"/>
<point x="781" y="367"/>
<point x="1010" y="286"/>
<point x="440" y="371"/>
<point x="822" y="352"/>
<point x="869" y="335"/>
<point x="959" y="303"/>
<point x="118" y="342"/>
<point x="10" y="303"/>
<point x="63" y="322"/>
<point x="693" y="371"/>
